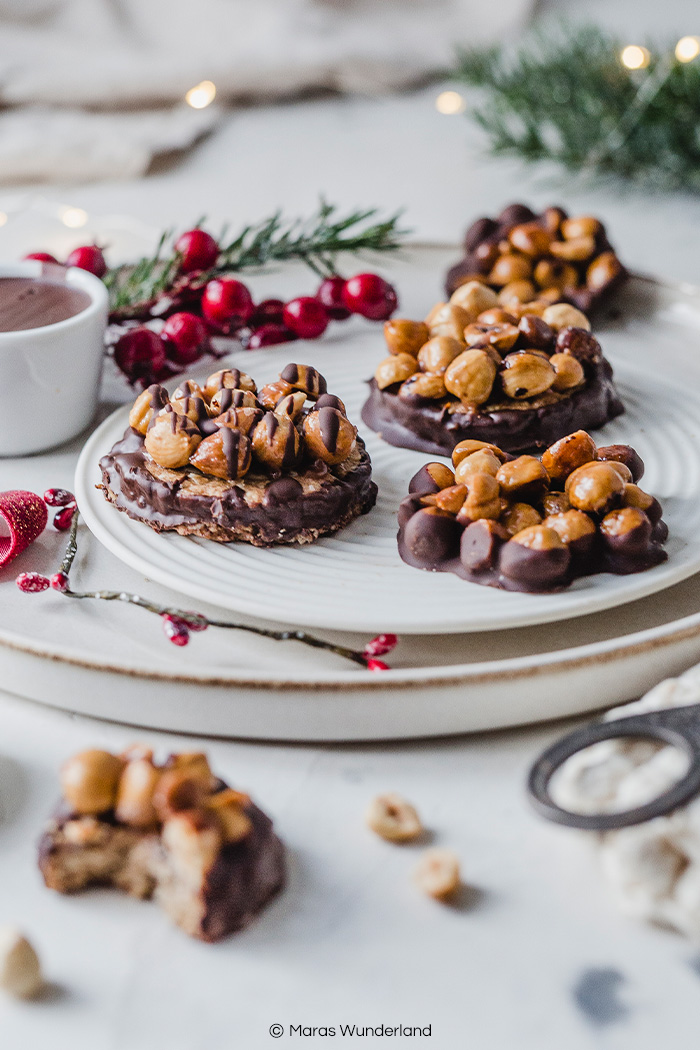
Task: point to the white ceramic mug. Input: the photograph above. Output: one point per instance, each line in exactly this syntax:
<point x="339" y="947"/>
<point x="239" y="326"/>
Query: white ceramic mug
<point x="50" y="376"/>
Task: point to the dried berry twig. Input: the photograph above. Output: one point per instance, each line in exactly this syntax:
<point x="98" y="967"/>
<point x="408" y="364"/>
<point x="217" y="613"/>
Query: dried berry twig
<point x="179" y="623"/>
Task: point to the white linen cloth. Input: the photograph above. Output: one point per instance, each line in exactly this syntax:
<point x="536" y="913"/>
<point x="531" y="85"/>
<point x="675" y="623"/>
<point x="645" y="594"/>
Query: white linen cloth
<point x="653" y="868"/>
<point x="58" y="56"/>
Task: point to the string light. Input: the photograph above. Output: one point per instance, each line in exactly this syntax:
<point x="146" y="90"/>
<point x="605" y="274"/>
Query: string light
<point x="201" y="95"/>
<point x="74" y="218"/>
<point x="635" y="57"/>
<point x="450" y="102"/>
<point x="688" y="48"/>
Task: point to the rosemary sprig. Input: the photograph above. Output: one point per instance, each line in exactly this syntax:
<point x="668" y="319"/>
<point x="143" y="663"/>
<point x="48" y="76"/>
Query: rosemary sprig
<point x="136" y="289"/>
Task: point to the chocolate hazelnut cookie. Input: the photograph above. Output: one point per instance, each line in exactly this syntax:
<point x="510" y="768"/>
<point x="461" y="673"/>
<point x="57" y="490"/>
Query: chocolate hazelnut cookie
<point x="174" y="832"/>
<point x="519" y="377"/>
<point x="226" y="461"/>
<point x="550" y="256"/>
<point x="527" y="524"/>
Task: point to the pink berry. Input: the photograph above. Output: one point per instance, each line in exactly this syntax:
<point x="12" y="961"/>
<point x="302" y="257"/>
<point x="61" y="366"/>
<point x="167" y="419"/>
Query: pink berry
<point x="62" y="520"/>
<point x="185" y="338"/>
<point x="226" y="303"/>
<point x="44" y="257"/>
<point x="377" y="665"/>
<point x="176" y="630"/>
<point x="269" y="335"/>
<point x="380" y="645"/>
<point x="306" y="316"/>
<point x="140" y="354"/>
<point x="330" y="294"/>
<point x="370" y="295"/>
<point x="198" y="250"/>
<point x="58" y="497"/>
<point x="59" y="582"/>
<point x="32" y="582"/>
<point x="269" y="311"/>
<point x="89" y="257"/>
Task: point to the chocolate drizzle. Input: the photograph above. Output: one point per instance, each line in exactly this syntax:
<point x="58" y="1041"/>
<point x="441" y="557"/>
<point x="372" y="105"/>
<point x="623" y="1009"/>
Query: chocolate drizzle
<point x="329" y="422"/>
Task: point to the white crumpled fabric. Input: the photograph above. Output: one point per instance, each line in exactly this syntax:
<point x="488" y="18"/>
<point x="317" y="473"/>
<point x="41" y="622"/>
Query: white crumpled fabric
<point x="653" y="868"/>
<point x="122" y="54"/>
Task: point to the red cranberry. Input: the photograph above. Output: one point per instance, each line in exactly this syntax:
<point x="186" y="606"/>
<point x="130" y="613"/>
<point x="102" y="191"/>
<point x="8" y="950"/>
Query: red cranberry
<point x="176" y="630"/>
<point x="270" y="335"/>
<point x="62" y="520"/>
<point x="32" y="582"/>
<point x="269" y="311"/>
<point x="377" y="665"/>
<point x="370" y="295"/>
<point x="198" y="250"/>
<point x="89" y="258"/>
<point x="330" y="293"/>
<point x="306" y="316"/>
<point x="380" y="645"/>
<point x="59" y="582"/>
<point x="185" y="338"/>
<point x="140" y="353"/>
<point x="58" y="497"/>
<point x="44" y="257"/>
<point x="226" y="303"/>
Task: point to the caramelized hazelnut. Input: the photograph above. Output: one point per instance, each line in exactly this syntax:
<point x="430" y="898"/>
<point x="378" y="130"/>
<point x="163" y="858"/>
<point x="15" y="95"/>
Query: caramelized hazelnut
<point x="526" y="374"/>
<point x="395" y="369"/>
<point x="467" y="447"/>
<point x="516" y="292"/>
<point x="481" y="462"/>
<point x="572" y="526"/>
<point x="568" y="453"/>
<point x="483" y="499"/>
<point x="510" y="268"/>
<point x="431" y="478"/>
<point x="535" y="333"/>
<point x="227" y="454"/>
<point x="193" y="407"/>
<point x="146" y="405"/>
<point x="231" y="378"/>
<point x="423" y="384"/>
<point x="271" y="394"/>
<point x="555" y="503"/>
<point x="306" y="378"/>
<point x="329" y="435"/>
<point x="523" y="479"/>
<point x="480" y="544"/>
<point x="519" y="516"/>
<point x="329" y="401"/>
<point x="474" y="297"/>
<point x="228" y="807"/>
<point x="633" y="496"/>
<point x="622" y="469"/>
<point x="496" y="316"/>
<point x="438" y="353"/>
<point x="562" y="315"/>
<point x="179" y="789"/>
<point x="292" y="405"/>
<point x="578" y="249"/>
<point x="626" y="531"/>
<point x="431" y="536"/>
<point x="405" y="337"/>
<point x="243" y="419"/>
<point x="134" y="805"/>
<point x="171" y="440"/>
<point x="568" y="372"/>
<point x="552" y="218"/>
<point x="449" y="499"/>
<point x="227" y="398"/>
<point x="449" y="320"/>
<point x="535" y="559"/>
<point x="276" y="442"/>
<point x="580" y="344"/>
<point x="623" y="454"/>
<point x="501" y="336"/>
<point x="580" y="226"/>
<point x="89" y="781"/>
<point x="530" y="238"/>
<point x="603" y="270"/>
<point x="553" y="276"/>
<point x="471" y="376"/>
<point x="538" y="538"/>
<point x="595" y="487"/>
<point x="188" y="388"/>
<point x="196" y="763"/>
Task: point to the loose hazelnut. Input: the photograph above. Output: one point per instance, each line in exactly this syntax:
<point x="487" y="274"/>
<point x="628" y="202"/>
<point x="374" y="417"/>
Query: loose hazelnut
<point x="471" y="376"/>
<point x="467" y="447"/>
<point x="438" y="353"/>
<point x="483" y="499"/>
<point x="137" y="784"/>
<point x="276" y="442"/>
<point x="481" y="462"/>
<point x="306" y="378"/>
<point x="568" y="372"/>
<point x="580" y="226"/>
<point x="329" y="435"/>
<point x="510" y="268"/>
<point x="623" y="454"/>
<point x="20" y="969"/>
<point x="395" y="370"/>
<point x="519" y="516"/>
<point x="562" y="315"/>
<point x="501" y="336"/>
<point x="393" y="818"/>
<point x="530" y="238"/>
<point x="431" y="478"/>
<point x="474" y="297"/>
<point x="449" y="499"/>
<point x="568" y="453"/>
<point x="577" y="249"/>
<point x="431" y="536"/>
<point x="572" y="526"/>
<point x="89" y="781"/>
<point x="535" y="333"/>
<point x="405" y="337"/>
<point x="228" y="806"/>
<point x="480" y="544"/>
<point x="595" y="487"/>
<point x="171" y="440"/>
<point x="231" y="378"/>
<point x="555" y="503"/>
<point x="523" y="479"/>
<point x="146" y="405"/>
<point x="526" y="374"/>
<point x="423" y="384"/>
<point x="516" y="292"/>
<point x="271" y="394"/>
<point x="292" y="405"/>
<point x="437" y="873"/>
<point x="227" y="453"/>
<point x="449" y="320"/>
<point x="535" y="559"/>
<point x="227" y="398"/>
<point x="603" y="270"/>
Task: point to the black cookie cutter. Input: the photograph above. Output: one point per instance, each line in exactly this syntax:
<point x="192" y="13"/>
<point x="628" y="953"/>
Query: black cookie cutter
<point x="678" y="726"/>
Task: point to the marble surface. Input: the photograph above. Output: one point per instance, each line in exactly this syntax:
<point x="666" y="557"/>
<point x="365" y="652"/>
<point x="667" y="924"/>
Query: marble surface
<point x="533" y="955"/>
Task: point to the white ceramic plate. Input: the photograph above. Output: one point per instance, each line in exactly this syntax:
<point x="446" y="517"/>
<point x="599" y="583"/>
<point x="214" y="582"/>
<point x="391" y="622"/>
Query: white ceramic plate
<point x="356" y="580"/>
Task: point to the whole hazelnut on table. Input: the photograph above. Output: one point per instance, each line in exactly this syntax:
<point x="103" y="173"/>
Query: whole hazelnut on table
<point x="471" y="376"/>
<point x="89" y="781"/>
<point x="431" y="478"/>
<point x="329" y="435"/>
<point x="394" y="370"/>
<point x="404" y="336"/>
<point x="526" y="374"/>
<point x="595" y="487"/>
<point x="523" y="479"/>
<point x="20" y="969"/>
<point x="276" y="442"/>
<point x="171" y="439"/>
<point x="393" y="818"/>
<point x="535" y="559"/>
<point x="147" y="405"/>
<point x="437" y="873"/>
<point x="568" y="453"/>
